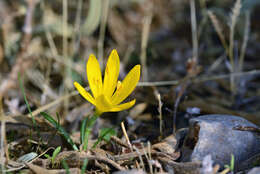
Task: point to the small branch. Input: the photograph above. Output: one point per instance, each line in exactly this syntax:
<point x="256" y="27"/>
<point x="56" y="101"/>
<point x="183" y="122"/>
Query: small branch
<point x="126" y="136"/>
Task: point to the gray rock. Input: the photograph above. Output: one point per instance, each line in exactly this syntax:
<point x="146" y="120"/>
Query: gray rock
<point x="255" y="170"/>
<point x="217" y="135"/>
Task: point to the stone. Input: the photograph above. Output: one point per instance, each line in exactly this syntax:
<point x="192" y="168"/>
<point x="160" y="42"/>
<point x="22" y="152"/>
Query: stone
<point x="255" y="170"/>
<point x="219" y="136"/>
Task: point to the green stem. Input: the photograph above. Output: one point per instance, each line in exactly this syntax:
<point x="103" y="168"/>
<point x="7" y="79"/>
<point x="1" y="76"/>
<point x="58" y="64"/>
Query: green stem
<point x="89" y="127"/>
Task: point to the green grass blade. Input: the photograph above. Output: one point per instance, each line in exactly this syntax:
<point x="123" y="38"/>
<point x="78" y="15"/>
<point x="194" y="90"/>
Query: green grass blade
<point x="84" y="166"/>
<point x="25" y="99"/>
<point x="232" y="163"/>
<point x="83" y="129"/>
<point x="55" y="153"/>
<point x="65" y="166"/>
<point x="89" y="127"/>
<point x="60" y="129"/>
<point x="105" y="134"/>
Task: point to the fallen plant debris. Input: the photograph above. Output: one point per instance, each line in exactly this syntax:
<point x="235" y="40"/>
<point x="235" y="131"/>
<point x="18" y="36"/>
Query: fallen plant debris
<point x="188" y="102"/>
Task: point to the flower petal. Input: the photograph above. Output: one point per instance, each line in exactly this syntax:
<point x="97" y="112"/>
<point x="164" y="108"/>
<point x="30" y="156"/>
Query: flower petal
<point x="123" y="106"/>
<point x="111" y="73"/>
<point x="94" y="76"/>
<point x="127" y="86"/>
<point x="84" y="93"/>
<point x="103" y="104"/>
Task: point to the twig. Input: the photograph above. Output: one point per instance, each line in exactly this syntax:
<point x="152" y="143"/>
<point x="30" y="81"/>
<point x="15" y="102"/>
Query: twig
<point x="119" y="141"/>
<point x="126" y="136"/>
<point x="55" y="102"/>
<point x="22" y="165"/>
<point x="104" y="159"/>
<point x="76" y="157"/>
<point x="158" y="96"/>
<point x="139" y="156"/>
<point x="150" y="156"/>
<point x="186" y="167"/>
<point x="200" y="79"/>
<point x="131" y="155"/>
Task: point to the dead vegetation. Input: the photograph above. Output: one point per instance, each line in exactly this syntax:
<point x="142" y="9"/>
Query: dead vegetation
<point x="197" y="57"/>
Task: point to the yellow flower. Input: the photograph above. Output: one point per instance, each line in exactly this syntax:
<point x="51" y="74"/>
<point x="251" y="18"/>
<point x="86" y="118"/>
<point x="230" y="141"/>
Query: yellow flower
<point x="108" y="94"/>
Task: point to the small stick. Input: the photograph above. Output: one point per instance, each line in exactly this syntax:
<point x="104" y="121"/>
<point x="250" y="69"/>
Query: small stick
<point x="118" y="141"/>
<point x="139" y="156"/>
<point x="158" y="96"/>
<point x="150" y="156"/>
<point x="126" y="136"/>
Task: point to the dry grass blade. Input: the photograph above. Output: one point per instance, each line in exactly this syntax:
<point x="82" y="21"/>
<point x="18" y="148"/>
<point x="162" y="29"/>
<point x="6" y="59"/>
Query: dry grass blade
<point x="105" y="10"/>
<point x="145" y="36"/>
<point x="139" y="156"/>
<point x="195" y="47"/>
<point x="245" y="41"/>
<point x="40" y="170"/>
<point x="19" y="166"/>
<point x="158" y="96"/>
<point x="218" y="29"/>
<point x="126" y="136"/>
<point x="55" y="102"/>
<point x="3" y="139"/>
<point x="234" y="17"/>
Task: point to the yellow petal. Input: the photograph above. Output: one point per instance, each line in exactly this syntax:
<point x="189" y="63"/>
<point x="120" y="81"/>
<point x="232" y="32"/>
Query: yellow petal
<point x="127" y="86"/>
<point x="103" y="104"/>
<point x="111" y="73"/>
<point x="84" y="93"/>
<point x="123" y="106"/>
<point x="94" y="76"/>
